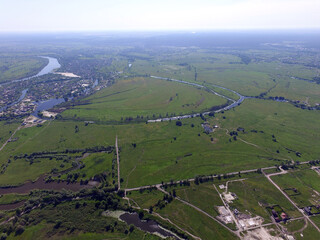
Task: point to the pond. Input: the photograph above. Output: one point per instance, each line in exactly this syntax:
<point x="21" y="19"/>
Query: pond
<point x="147" y="226"/>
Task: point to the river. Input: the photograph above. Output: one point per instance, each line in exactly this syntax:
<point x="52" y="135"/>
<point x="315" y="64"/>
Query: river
<point x="232" y="105"/>
<point x="23" y="94"/>
<point x="146" y="225"/>
<point x="52" y="65"/>
<point x="45" y="105"/>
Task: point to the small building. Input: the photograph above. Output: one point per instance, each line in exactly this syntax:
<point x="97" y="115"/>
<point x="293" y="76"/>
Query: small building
<point x="307" y="210"/>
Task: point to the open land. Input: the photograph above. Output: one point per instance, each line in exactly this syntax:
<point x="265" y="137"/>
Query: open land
<point x="248" y="172"/>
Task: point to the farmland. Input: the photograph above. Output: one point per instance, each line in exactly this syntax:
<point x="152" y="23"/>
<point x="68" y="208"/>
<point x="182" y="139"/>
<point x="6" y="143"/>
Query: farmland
<point x="118" y="145"/>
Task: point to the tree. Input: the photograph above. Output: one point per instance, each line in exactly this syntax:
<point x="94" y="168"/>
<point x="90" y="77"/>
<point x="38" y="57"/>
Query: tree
<point x="178" y="123"/>
<point x="3" y="236"/>
<point x="58" y="224"/>
<point x="141" y="214"/>
<point x="196" y="180"/>
<point x="19" y="230"/>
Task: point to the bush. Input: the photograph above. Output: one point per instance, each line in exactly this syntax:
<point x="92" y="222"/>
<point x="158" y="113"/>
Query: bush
<point x="19" y="230"/>
<point x="3" y="236"/>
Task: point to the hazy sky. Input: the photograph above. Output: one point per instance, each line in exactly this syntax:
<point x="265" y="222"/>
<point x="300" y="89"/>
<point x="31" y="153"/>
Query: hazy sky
<point x="78" y="15"/>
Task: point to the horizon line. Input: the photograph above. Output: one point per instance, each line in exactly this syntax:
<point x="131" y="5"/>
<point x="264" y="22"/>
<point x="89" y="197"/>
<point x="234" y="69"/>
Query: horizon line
<point x="162" y="30"/>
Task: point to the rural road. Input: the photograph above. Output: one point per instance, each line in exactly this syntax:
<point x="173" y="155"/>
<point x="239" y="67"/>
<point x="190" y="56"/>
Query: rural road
<point x="192" y="179"/>
<point x="10" y="137"/>
<point x="118" y="162"/>
<point x="289" y="199"/>
<point x="199" y="210"/>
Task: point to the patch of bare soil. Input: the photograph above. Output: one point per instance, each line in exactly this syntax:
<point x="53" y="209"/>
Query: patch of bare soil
<point x="260" y="234"/>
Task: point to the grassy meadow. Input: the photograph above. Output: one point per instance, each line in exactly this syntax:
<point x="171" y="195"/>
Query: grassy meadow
<point x="12" y="68"/>
<point x="194" y="222"/>
<point x="306" y="182"/>
<point x="143" y="98"/>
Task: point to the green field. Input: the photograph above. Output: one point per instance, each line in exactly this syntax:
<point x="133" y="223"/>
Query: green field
<point x="295" y="225"/>
<point x="159" y="157"/>
<point x="284" y="121"/>
<point x="6" y="130"/>
<point x="12" y="67"/>
<point x="203" y="196"/>
<point x="12" y="198"/>
<point x="92" y="165"/>
<point x="143" y="98"/>
<point x="255" y="194"/>
<point x="84" y="222"/>
<point x="309" y="233"/>
<point x="194" y="222"/>
<point x="145" y="199"/>
<point x="227" y="70"/>
<point x="258" y="133"/>
<point x="306" y="182"/>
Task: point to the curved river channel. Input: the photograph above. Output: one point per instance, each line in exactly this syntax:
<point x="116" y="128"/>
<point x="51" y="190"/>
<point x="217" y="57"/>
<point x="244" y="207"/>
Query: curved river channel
<point x="52" y="65"/>
<point x="232" y="105"/>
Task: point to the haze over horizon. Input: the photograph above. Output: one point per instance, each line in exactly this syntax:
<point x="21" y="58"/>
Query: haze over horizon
<point x="123" y="15"/>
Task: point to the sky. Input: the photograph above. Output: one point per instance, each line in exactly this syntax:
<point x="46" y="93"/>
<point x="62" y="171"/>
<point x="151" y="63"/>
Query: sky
<point x="102" y="15"/>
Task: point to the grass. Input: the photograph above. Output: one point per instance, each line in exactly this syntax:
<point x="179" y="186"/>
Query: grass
<point x="44" y="230"/>
<point x="307" y="184"/>
<point x="203" y="196"/>
<point x="158" y="157"/>
<point x="309" y="233"/>
<point x="62" y="137"/>
<point x="12" y="68"/>
<point x="255" y="194"/>
<point x="294" y="225"/>
<point x="94" y="164"/>
<point x="16" y="173"/>
<point x="261" y="75"/>
<point x="12" y="198"/>
<point x="6" y="130"/>
<point x="143" y="97"/>
<point x="284" y="121"/>
<point x="146" y="198"/>
<point x="194" y="222"/>
<point x="316" y="220"/>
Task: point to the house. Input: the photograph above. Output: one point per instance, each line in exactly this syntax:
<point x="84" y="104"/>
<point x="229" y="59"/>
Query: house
<point x="307" y="210"/>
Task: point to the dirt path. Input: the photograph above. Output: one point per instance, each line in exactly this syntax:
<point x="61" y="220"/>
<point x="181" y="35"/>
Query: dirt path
<point x="302" y="229"/>
<point x="192" y="179"/>
<point x="183" y="230"/>
<point x="118" y="162"/>
<point x="32" y="137"/>
<point x="134" y="168"/>
<point x="230" y="213"/>
<point x="9" y="139"/>
<point x="289" y="199"/>
<point x="237" y="180"/>
<point x="201" y="211"/>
